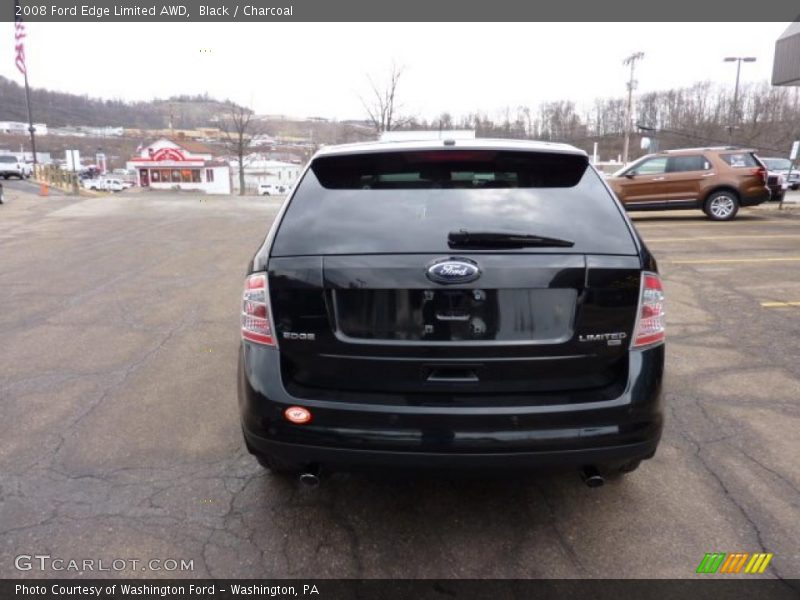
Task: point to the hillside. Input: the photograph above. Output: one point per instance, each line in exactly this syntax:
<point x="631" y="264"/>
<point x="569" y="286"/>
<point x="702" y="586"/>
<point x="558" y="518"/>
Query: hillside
<point x="59" y="109"/>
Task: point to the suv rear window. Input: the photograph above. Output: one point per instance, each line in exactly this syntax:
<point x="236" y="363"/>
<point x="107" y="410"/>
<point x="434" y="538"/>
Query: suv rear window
<point x="465" y="169"/>
<point x="740" y="159"/>
<point x="408" y="203"/>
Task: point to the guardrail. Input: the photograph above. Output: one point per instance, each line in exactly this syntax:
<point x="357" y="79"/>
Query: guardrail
<point x="55" y="176"/>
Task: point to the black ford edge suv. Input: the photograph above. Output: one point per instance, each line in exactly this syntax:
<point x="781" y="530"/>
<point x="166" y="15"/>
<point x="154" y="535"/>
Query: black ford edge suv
<point x="477" y="304"/>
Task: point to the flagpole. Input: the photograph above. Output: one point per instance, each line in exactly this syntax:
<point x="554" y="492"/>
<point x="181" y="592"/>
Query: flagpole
<point x="31" y="128"/>
<point x="19" y="48"/>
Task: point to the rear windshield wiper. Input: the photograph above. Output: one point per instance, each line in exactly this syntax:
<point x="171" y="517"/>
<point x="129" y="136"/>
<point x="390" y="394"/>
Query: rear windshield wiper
<point x="502" y="239"/>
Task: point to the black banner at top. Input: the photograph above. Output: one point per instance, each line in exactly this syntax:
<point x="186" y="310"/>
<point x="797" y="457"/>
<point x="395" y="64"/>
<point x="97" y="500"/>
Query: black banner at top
<point x="401" y="10"/>
<point x="409" y="589"/>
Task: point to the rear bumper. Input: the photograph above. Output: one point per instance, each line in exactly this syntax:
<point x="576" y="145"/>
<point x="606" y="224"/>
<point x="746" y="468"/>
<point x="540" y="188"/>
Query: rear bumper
<point x="347" y="458"/>
<point x="756" y="199"/>
<point x="349" y="435"/>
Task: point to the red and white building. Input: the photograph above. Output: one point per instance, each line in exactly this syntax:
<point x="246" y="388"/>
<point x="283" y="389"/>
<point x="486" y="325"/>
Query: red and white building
<point x="181" y="164"/>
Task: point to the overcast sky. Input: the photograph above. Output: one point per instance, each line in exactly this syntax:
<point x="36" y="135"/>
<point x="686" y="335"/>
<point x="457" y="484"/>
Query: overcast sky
<point x="319" y="69"/>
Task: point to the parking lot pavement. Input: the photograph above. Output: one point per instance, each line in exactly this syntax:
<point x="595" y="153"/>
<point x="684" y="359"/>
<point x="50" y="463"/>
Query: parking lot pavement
<point x="121" y="438"/>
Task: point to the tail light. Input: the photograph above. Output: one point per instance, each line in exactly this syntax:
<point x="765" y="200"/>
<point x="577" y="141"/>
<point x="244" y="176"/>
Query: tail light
<point x="650" y="320"/>
<point x="256" y="318"/>
<point x="762" y="173"/>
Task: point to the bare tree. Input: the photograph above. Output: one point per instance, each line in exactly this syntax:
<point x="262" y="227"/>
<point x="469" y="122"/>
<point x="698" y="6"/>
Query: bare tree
<point x="382" y="106"/>
<point x="238" y="129"/>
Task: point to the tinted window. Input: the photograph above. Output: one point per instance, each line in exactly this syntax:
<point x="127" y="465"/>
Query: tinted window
<point x="8" y="159"/>
<point x="697" y="162"/>
<point x="652" y="166"/>
<point x="393" y="216"/>
<point x="740" y="159"/>
<point x="450" y="169"/>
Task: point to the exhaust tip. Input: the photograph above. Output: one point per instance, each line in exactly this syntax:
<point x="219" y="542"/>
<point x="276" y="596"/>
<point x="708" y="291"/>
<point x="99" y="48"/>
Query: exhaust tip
<point x="310" y="478"/>
<point x="592" y="477"/>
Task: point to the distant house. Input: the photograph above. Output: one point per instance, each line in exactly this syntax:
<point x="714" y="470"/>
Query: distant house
<point x="181" y="164"/>
<point x="21" y="128"/>
<point x="258" y="170"/>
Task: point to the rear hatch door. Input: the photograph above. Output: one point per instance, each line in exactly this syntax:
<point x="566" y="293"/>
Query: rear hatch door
<point x="362" y="310"/>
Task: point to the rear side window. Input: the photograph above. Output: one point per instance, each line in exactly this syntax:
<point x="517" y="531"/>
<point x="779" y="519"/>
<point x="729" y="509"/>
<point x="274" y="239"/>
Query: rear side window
<point x="8" y="159"/>
<point x="740" y="159"/>
<point x="678" y="164"/>
<point x="394" y="203"/>
<point x="449" y="169"/>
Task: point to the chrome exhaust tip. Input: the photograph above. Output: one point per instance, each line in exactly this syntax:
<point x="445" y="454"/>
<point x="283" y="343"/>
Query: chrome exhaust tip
<point x="310" y="478"/>
<point x="592" y="477"/>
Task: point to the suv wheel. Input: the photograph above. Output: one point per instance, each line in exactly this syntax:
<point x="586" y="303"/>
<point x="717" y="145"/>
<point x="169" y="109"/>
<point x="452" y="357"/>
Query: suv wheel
<point x="722" y="206"/>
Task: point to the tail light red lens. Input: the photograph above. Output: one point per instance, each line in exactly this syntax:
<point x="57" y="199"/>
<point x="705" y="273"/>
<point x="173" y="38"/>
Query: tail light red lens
<point x="761" y="172"/>
<point x="256" y="318"/>
<point x="650" y="326"/>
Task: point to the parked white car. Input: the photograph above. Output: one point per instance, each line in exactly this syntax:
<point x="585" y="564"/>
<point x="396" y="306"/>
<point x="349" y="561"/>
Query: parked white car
<point x="113" y="185"/>
<point x="784" y="167"/>
<point x="11" y="167"/>
<point x="273" y="189"/>
<point x="104" y="185"/>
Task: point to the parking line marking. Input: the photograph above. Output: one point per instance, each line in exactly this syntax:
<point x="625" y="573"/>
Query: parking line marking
<point x="725" y="237"/>
<point x="706" y="223"/>
<point x="780" y="304"/>
<point x="714" y="261"/>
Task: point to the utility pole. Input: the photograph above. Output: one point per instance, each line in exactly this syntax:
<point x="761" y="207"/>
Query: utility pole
<point x="735" y="108"/>
<point x="19" y="46"/>
<point x="631" y="60"/>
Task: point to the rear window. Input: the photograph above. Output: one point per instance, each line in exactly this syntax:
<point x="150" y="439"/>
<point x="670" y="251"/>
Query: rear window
<point x="409" y="203"/>
<point x="8" y="159"/>
<point x="740" y="159"/>
<point x="450" y="169"/>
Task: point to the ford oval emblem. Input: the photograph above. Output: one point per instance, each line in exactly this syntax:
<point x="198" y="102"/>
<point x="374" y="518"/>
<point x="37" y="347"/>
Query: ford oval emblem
<point x="453" y="270"/>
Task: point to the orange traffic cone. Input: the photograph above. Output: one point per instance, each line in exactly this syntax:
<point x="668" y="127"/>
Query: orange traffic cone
<point x="44" y="190"/>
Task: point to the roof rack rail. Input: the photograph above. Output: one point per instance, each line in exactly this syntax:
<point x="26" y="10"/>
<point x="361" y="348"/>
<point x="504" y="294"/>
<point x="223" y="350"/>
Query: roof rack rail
<point x="705" y="148"/>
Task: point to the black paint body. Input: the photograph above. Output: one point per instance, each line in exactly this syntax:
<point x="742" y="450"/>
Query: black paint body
<point x="498" y="372"/>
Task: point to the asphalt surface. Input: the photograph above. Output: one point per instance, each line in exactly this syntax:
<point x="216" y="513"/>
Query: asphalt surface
<point x="120" y="433"/>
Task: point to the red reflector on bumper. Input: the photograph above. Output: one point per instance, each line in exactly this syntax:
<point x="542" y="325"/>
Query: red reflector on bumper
<point x="297" y="415"/>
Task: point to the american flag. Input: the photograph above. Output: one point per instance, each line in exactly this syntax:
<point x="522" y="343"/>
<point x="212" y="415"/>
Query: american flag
<point x="19" y="40"/>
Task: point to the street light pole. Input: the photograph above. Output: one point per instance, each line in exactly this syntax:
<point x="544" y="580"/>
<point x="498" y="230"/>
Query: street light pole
<point x="631" y="60"/>
<point x="735" y="108"/>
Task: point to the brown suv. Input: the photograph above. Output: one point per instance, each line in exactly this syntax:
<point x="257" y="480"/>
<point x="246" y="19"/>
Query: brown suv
<point x="716" y="180"/>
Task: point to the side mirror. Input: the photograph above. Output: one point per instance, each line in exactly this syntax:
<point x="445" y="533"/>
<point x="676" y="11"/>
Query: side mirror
<point x="630" y="174"/>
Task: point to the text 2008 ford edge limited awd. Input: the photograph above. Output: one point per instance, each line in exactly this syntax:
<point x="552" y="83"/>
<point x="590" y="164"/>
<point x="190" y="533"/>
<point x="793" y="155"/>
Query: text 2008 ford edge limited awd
<point x="477" y="304"/>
